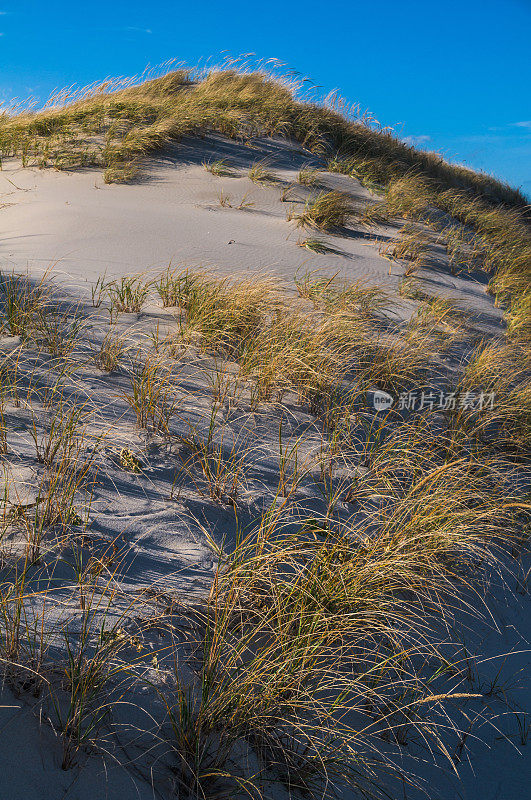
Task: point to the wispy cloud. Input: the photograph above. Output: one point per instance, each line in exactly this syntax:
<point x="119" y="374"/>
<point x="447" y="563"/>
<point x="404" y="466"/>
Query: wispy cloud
<point x="414" y="141"/>
<point x="509" y="127"/>
<point x="132" y="29"/>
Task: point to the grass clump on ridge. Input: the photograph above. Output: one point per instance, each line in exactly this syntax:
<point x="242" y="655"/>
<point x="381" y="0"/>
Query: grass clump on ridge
<point x="327" y="211"/>
<point x="127" y="120"/>
<point x="135" y="118"/>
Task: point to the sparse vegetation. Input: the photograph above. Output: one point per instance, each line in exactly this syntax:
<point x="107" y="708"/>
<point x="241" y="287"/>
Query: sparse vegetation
<point x="152" y="394"/>
<point x="292" y="587"/>
<point x="128" y="294"/>
<point x="220" y="167"/>
<point x="260" y="172"/>
<point x="327" y="211"/>
<point x="341" y="544"/>
<point x="21" y="301"/>
<point x="132" y="120"/>
<point x="110" y="352"/>
<point x="315" y="245"/>
<point x="308" y="176"/>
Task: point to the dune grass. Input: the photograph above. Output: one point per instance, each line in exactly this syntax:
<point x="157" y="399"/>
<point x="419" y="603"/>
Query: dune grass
<point x="308" y="176"/>
<point x="260" y="172"/>
<point x="327" y="211"/>
<point x="317" y="642"/>
<point x="129" y="294"/>
<point x="127" y="119"/>
<point x="220" y="167"/>
<point x="320" y="638"/>
<point x="134" y="118"/>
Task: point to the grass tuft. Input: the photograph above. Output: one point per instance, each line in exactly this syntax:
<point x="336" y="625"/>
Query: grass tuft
<point x="327" y="211"/>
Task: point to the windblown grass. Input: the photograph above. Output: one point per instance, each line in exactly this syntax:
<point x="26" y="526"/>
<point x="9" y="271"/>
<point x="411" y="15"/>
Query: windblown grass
<point x="316" y="642"/>
<point x="319" y="637"/>
<point x="128" y="294"/>
<point x="308" y="176"/>
<point x="500" y="373"/>
<point x="134" y="118"/>
<point x="126" y="120"/>
<point x="260" y="172"/>
<point x="152" y="394"/>
<point x="327" y="211"/>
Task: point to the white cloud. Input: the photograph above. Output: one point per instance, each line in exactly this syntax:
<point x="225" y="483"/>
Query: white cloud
<point x="524" y="124"/>
<point x="414" y="141"/>
<point x="138" y="30"/>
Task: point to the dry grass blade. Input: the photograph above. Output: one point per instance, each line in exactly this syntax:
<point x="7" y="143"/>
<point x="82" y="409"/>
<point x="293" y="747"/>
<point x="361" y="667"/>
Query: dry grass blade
<point x="327" y="211"/>
<point x="152" y="394"/>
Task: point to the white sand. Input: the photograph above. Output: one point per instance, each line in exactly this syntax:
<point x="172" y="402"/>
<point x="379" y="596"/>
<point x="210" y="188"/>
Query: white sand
<point x="172" y="215"/>
<point x="80" y="228"/>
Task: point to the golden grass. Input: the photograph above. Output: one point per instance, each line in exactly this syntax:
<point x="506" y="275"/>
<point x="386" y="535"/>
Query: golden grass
<point x="411" y="245"/>
<point x="132" y="120"/>
<point x="312" y="622"/>
<point x="308" y="176"/>
<point x="126" y="120"/>
<point x="316" y="640"/>
<point x="260" y="172"/>
<point x="326" y="211"/>
<point x="501" y="371"/>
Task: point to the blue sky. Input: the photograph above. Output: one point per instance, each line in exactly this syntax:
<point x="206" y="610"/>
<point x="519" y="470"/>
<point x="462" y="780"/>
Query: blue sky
<point x="451" y="76"/>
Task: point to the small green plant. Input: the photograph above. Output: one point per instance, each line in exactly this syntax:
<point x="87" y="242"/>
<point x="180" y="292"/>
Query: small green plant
<point x="308" y="176"/>
<point x="220" y="167"/>
<point x="315" y="245"/>
<point x="67" y="454"/>
<point x="220" y="466"/>
<point x="128" y="294"/>
<point x="224" y="200"/>
<point x="245" y="203"/>
<point x="152" y="394"/>
<point x="110" y="353"/>
<point x="168" y="287"/>
<point x="130" y="461"/>
<point x="58" y="331"/>
<point x="92" y="662"/>
<point x="260" y="172"/>
<point x="21" y="300"/>
<point x="99" y="290"/>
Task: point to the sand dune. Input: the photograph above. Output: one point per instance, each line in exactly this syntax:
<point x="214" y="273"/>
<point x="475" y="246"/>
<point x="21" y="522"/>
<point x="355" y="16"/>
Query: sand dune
<point x="166" y="540"/>
<point x="84" y="228"/>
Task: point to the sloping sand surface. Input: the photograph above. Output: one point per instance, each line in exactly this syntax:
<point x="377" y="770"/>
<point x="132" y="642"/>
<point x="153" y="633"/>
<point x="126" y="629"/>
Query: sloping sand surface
<point x="172" y="214"/>
<point x="78" y="228"/>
